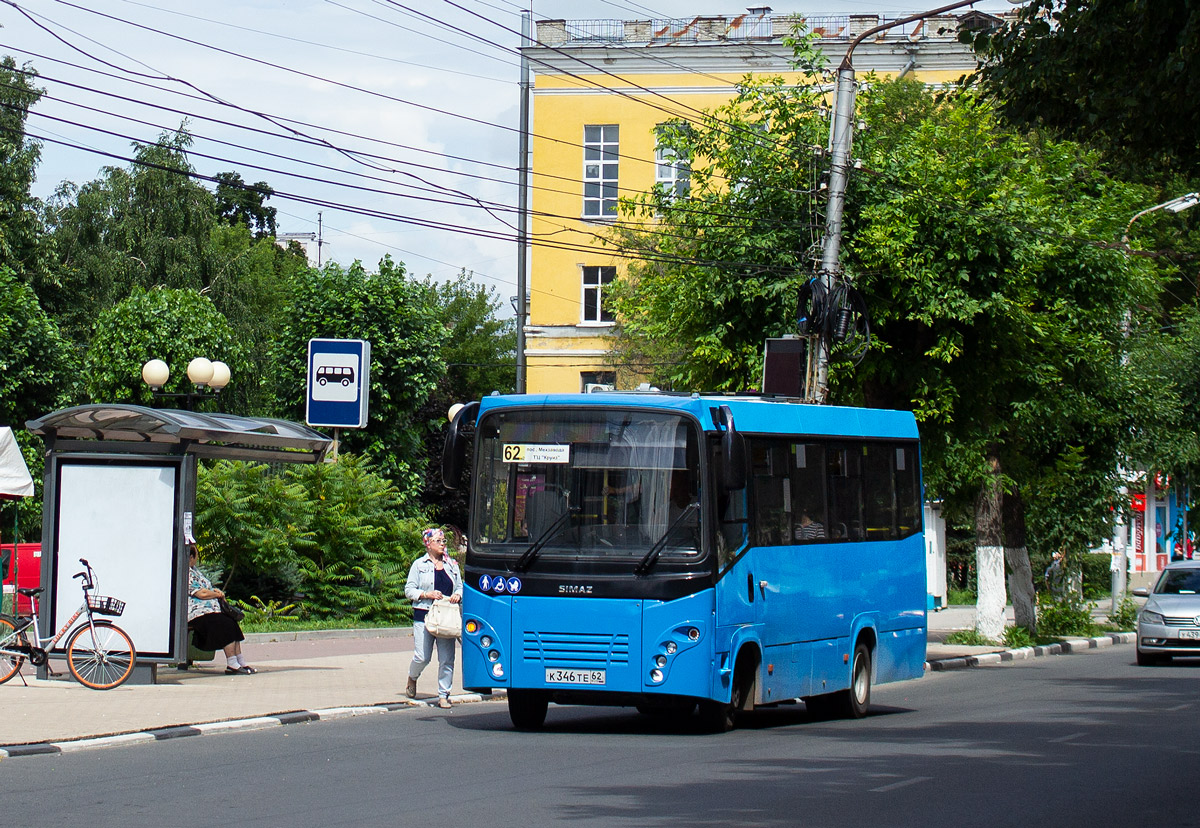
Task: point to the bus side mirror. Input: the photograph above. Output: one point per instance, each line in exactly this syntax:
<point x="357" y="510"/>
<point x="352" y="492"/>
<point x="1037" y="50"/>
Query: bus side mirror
<point x="455" y="450"/>
<point x="733" y="454"/>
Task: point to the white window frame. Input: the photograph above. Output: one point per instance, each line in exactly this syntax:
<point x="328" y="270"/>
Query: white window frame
<point x="601" y="151"/>
<point x="672" y="173"/>
<point x="598" y="287"/>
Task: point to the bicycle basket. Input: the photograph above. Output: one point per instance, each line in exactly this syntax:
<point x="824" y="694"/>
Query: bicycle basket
<point x="106" y="606"/>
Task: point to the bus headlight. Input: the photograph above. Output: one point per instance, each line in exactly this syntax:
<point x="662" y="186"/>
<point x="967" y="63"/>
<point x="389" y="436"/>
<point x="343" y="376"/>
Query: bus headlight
<point x="493" y="655"/>
<point x="497" y="670"/>
<point x="660" y="660"/>
<point x="671" y="647"/>
<point x="693" y="634"/>
<point x="485" y="641"/>
<point x="472" y="626"/>
<point x="656" y="675"/>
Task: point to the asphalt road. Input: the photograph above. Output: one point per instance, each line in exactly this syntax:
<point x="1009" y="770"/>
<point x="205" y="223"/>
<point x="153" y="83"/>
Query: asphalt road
<point x="1081" y="740"/>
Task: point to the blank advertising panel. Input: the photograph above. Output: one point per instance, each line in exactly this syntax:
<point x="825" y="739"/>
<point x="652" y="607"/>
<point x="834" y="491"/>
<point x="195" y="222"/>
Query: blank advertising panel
<point x="121" y="518"/>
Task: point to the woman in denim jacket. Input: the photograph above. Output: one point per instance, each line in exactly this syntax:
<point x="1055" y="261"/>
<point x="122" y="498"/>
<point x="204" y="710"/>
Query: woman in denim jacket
<point x="432" y="576"/>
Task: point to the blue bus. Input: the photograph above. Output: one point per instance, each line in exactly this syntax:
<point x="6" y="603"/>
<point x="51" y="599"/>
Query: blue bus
<point x="688" y="553"/>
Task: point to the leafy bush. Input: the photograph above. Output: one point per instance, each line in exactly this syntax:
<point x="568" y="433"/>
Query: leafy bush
<point x="1064" y="616"/>
<point x="357" y="548"/>
<point x="1017" y="637"/>
<point x="332" y="539"/>
<point x="1125" y="617"/>
<point x="969" y="638"/>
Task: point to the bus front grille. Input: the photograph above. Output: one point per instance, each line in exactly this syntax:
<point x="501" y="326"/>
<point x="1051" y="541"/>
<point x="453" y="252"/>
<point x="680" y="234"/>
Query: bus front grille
<point x="555" y="649"/>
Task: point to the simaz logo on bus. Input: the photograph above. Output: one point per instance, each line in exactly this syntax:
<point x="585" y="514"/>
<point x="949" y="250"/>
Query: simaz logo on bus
<point x="574" y="589"/>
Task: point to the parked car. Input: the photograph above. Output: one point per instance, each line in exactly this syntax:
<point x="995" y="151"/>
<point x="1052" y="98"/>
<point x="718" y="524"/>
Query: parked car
<point x="1169" y="623"/>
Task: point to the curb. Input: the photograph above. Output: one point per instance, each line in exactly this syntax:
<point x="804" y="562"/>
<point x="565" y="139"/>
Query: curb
<point x="254" y="723"/>
<point x="1072" y="645"/>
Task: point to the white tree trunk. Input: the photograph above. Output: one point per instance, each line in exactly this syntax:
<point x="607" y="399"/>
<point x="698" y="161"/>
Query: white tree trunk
<point x="989" y="607"/>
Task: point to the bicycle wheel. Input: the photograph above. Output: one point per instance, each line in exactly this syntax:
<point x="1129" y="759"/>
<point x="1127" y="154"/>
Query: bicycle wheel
<point x="10" y="664"/>
<point x="104" y="661"/>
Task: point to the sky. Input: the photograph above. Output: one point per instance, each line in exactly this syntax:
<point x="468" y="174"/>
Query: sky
<point x="389" y="126"/>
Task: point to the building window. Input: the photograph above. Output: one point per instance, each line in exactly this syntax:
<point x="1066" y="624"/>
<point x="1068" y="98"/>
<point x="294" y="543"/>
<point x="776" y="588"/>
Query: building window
<point x="596" y="279"/>
<point x="592" y="381"/>
<point x="672" y="173"/>
<point x="600" y="151"/>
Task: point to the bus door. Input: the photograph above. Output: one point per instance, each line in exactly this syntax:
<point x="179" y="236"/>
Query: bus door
<point x="783" y="576"/>
<point x="737" y="604"/>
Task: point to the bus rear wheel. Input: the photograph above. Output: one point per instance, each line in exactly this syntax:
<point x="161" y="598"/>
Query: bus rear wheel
<point x="527" y="709"/>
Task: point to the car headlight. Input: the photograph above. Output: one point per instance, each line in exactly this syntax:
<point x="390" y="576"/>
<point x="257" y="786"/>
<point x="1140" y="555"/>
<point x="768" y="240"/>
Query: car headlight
<point x="1151" y="617"/>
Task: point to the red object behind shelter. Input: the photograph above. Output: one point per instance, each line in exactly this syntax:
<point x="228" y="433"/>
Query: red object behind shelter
<point x="27" y="566"/>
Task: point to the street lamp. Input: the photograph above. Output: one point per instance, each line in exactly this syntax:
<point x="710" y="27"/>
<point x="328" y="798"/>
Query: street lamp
<point x="1175" y="205"/>
<point x="208" y="377"/>
<point x="817" y="374"/>
<point x="1149" y="518"/>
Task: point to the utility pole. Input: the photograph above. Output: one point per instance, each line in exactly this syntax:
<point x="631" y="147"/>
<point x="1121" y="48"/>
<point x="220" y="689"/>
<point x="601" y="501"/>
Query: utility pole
<point x="523" y="202"/>
<point x="320" y="239"/>
<point x="842" y="138"/>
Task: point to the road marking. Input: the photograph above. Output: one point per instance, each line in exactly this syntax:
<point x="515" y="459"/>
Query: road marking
<point x="902" y="784"/>
<point x="1066" y="738"/>
<point x="1179" y="707"/>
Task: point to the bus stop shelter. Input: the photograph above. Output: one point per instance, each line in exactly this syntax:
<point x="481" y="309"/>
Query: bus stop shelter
<point x="120" y="489"/>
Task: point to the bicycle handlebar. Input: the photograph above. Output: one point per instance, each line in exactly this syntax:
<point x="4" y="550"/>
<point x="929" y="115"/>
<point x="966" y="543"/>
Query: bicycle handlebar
<point x="86" y="574"/>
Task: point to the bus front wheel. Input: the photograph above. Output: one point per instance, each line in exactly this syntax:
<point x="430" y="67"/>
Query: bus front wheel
<point x="721" y="717"/>
<point x="527" y="709"/>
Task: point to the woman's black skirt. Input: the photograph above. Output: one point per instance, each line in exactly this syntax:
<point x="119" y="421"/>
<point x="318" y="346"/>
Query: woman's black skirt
<point x="215" y="631"/>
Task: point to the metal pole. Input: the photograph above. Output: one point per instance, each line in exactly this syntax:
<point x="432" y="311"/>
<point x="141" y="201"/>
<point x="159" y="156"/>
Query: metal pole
<point x="840" y="144"/>
<point x="523" y="202"/>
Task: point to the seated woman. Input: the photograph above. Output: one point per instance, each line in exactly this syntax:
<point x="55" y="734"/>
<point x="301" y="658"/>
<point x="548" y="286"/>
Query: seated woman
<point x="211" y="628"/>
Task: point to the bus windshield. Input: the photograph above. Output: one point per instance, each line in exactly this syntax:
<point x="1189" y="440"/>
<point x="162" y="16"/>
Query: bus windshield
<point x="604" y="483"/>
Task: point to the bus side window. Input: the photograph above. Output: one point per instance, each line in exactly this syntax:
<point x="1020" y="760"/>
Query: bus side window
<point x="879" y="495"/>
<point x="772" y="492"/>
<point x="810" y="515"/>
<point x="908" y="490"/>
<point x="844" y="464"/>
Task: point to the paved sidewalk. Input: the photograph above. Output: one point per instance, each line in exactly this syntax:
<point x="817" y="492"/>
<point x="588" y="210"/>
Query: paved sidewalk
<point x="304" y="677"/>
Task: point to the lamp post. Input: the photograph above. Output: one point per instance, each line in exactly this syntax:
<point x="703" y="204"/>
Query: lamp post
<point x="1175" y="205"/>
<point x="1149" y="515"/>
<point x="817" y="374"/>
<point x="208" y="378"/>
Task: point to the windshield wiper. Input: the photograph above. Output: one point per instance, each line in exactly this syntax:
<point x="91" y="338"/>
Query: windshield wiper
<point x="526" y="560"/>
<point x="651" y="557"/>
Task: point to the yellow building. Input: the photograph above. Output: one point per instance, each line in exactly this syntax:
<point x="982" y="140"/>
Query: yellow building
<point x="600" y="89"/>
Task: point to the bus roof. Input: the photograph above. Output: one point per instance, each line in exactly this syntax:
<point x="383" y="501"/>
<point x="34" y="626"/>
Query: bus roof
<point x="752" y="415"/>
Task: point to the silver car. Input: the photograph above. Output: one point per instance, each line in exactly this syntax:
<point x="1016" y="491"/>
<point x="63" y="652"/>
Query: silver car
<point x="1169" y="623"/>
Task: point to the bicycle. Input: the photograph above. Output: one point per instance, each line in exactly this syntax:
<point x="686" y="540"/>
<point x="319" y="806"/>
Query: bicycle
<point x="100" y="655"/>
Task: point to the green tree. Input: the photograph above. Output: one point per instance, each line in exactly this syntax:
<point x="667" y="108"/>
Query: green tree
<point x="146" y="226"/>
<point x="1106" y="72"/>
<point x="253" y="283"/>
<point x="249" y="523"/>
<point x="995" y="296"/>
<point x="244" y="205"/>
<point x="360" y="539"/>
<point x="716" y="273"/>
<point x="398" y="318"/>
<point x="480" y="356"/>
<point x="37" y="366"/>
<point x="25" y="247"/>
<point x="38" y="375"/>
<point x="175" y="326"/>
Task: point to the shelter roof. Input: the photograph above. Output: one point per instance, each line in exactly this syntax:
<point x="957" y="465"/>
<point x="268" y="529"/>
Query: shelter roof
<point x="209" y="435"/>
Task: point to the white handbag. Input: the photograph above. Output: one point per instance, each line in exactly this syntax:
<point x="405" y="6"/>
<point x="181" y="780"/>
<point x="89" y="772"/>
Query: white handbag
<point x="444" y="619"/>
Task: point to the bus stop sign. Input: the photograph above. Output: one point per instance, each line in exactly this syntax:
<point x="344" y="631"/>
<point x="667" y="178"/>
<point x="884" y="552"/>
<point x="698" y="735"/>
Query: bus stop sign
<point x="338" y="382"/>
